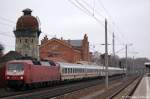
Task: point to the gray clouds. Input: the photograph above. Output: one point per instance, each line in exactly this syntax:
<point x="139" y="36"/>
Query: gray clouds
<point x="61" y="18"/>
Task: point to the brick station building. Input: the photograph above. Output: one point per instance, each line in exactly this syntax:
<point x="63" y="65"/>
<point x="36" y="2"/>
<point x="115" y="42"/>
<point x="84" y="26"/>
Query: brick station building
<point x="65" y="50"/>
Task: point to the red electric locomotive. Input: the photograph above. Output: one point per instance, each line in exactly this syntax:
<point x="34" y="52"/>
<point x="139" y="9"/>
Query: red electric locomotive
<point x="23" y="73"/>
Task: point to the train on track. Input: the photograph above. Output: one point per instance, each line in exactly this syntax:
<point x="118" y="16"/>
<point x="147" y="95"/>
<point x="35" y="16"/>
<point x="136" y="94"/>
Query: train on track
<point x="30" y="73"/>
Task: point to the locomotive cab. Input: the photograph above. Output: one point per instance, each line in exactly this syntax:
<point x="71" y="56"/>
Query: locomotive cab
<point x="14" y="74"/>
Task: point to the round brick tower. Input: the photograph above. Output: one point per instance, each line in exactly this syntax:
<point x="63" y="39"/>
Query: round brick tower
<point x="27" y="34"/>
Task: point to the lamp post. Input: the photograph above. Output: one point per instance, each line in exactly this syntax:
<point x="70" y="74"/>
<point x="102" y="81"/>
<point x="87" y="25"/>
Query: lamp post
<point x="106" y="56"/>
<point x="126" y="56"/>
<point x="133" y="67"/>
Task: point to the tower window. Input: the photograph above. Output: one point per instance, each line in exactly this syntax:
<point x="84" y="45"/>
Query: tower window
<point x="20" y="40"/>
<point x="32" y="40"/>
<point x="26" y="40"/>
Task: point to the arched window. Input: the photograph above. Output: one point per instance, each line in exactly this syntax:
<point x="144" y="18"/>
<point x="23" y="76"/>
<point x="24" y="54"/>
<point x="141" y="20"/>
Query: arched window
<point x="26" y="40"/>
<point x="32" y="41"/>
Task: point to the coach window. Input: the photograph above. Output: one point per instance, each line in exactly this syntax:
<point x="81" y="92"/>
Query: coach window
<point x="65" y="70"/>
<point x="80" y="70"/>
<point x="77" y="70"/>
<point x="69" y="70"/>
<point x="72" y="70"/>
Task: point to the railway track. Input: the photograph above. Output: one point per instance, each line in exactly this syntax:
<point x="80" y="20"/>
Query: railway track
<point x="99" y="92"/>
<point x="124" y="86"/>
<point x="111" y="93"/>
<point x="44" y="93"/>
<point x="136" y="85"/>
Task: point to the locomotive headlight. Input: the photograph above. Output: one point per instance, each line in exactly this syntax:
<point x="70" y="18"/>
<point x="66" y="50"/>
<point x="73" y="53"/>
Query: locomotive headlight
<point x="8" y="77"/>
<point x="21" y="77"/>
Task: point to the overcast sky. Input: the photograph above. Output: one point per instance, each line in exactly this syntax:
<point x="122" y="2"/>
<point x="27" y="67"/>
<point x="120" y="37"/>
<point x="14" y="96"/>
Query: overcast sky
<point x="129" y="19"/>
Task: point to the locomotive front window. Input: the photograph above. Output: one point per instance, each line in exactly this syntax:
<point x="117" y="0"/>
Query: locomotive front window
<point x="17" y="67"/>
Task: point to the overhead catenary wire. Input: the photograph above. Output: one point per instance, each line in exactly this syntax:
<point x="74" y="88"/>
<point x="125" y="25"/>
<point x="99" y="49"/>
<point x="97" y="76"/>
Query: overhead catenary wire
<point x="94" y="8"/>
<point x="91" y="12"/>
<point x="113" y="23"/>
<point x="80" y="6"/>
<point x="83" y="8"/>
<point x="120" y="38"/>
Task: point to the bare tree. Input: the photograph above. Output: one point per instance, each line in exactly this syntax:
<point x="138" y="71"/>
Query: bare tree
<point x="1" y="50"/>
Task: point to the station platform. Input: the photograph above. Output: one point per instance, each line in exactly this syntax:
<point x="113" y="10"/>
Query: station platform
<point x="143" y="89"/>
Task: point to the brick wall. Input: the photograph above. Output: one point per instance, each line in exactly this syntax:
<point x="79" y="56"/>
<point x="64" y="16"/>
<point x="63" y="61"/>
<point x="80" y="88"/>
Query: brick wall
<point x="60" y="50"/>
